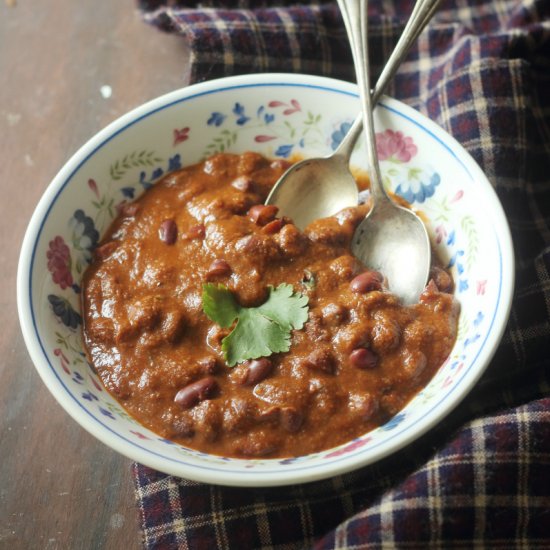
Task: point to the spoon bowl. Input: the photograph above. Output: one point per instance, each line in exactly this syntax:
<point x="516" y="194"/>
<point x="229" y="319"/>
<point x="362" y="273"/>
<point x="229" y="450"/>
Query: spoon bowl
<point x="315" y="187"/>
<point x="393" y="241"/>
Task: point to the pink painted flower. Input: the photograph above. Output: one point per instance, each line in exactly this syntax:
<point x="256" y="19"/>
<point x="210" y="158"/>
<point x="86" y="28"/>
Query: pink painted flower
<point x="395" y="146"/>
<point x="294" y="109"/>
<point x="480" y="287"/>
<point x="62" y="359"/>
<point x="356" y="444"/>
<point x="458" y="196"/>
<point x="181" y="135"/>
<point x="263" y="139"/>
<point x="93" y="186"/>
<point x="96" y="384"/>
<point x="59" y="262"/>
<point x="294" y="106"/>
<point x="139" y="434"/>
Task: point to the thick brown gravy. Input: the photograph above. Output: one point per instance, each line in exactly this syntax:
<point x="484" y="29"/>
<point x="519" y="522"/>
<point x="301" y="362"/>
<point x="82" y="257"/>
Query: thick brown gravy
<point x="359" y="359"/>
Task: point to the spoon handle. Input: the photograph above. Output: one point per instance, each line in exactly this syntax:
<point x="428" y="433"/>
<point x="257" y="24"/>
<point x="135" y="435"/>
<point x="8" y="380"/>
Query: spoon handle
<point x="422" y="13"/>
<point x="354" y="13"/>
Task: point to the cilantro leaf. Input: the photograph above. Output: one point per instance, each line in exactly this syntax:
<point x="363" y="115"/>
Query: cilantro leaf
<point x="260" y="331"/>
<point x="284" y="308"/>
<point x="219" y="304"/>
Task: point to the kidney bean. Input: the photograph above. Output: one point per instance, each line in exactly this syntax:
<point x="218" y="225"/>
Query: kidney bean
<point x="366" y="282"/>
<point x="261" y="214"/>
<point x="196" y="232"/>
<point x="218" y="268"/>
<point x="168" y="231"/>
<point x="257" y="370"/>
<point x="363" y="358"/>
<point x="243" y="183"/>
<point x="273" y="226"/>
<point x="196" y="392"/>
<point x="291" y="420"/>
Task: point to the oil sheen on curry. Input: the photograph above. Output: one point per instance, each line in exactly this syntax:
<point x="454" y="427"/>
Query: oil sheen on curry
<point x="197" y="291"/>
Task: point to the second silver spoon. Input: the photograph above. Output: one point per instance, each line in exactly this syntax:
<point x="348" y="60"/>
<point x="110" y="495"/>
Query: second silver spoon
<point x="320" y="187"/>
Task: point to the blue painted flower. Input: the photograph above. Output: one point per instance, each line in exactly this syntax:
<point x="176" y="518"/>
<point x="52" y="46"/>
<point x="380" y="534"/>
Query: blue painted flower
<point x="393" y="422"/>
<point x="157" y="173"/>
<point x="174" y="163"/>
<point x="338" y="135"/>
<point x="479" y="318"/>
<point x="269" y="118"/>
<point x="417" y="185"/>
<point x="64" y="311"/>
<point x="89" y="396"/>
<point x="463" y="285"/>
<point x="458" y="254"/>
<point x="216" y="119"/>
<point x="85" y="236"/>
<point x="451" y="238"/>
<point x="238" y="110"/>
<point x="284" y="151"/>
<point x="144" y="182"/>
<point x="128" y="192"/>
<point x="472" y="340"/>
<point x="106" y="413"/>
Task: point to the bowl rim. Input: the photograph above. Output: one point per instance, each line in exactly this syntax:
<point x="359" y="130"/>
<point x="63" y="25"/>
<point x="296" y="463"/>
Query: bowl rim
<point x="285" y="476"/>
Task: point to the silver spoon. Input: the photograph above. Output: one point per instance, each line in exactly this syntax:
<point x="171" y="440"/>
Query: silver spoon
<point x="391" y="239"/>
<point x="320" y="187"/>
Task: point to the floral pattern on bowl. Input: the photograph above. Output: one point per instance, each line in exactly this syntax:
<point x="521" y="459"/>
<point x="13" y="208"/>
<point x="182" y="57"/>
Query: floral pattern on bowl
<point x="282" y="116"/>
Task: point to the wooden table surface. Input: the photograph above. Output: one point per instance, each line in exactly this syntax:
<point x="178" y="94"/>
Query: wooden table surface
<point x="60" y="487"/>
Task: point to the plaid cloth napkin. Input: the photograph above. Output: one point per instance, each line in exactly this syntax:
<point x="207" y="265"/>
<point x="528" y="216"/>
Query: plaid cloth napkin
<point x="481" y="70"/>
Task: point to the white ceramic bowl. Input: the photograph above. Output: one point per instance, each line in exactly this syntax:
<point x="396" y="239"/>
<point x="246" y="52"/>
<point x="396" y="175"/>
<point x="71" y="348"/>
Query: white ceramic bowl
<point x="278" y="115"/>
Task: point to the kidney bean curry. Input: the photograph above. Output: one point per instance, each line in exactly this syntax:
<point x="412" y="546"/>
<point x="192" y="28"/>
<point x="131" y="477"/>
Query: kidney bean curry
<point x="221" y="326"/>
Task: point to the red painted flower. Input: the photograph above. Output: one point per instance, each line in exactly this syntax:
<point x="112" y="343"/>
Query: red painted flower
<point x="59" y="262"/>
<point x="395" y="146"/>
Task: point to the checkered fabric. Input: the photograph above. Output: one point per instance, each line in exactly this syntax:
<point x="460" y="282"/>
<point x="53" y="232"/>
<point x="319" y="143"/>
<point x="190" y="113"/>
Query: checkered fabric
<point x="481" y="479"/>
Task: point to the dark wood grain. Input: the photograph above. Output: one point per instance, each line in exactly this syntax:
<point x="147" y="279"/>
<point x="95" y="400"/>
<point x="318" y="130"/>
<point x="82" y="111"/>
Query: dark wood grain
<point x="59" y="487"/>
